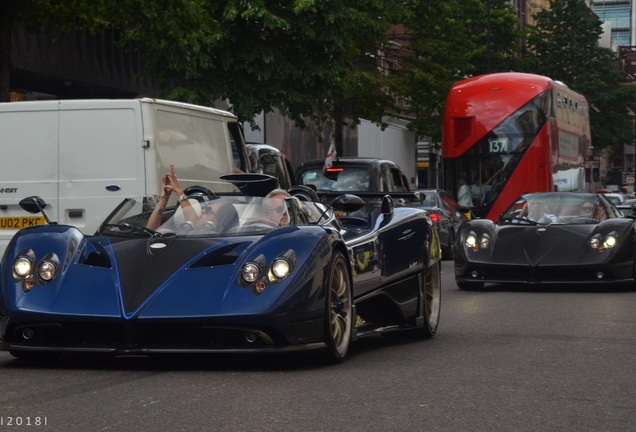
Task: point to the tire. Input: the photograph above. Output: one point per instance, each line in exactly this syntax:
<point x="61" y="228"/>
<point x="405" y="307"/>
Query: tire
<point x="338" y="311"/>
<point x="448" y="254"/>
<point x="431" y="300"/>
<point x="469" y="286"/>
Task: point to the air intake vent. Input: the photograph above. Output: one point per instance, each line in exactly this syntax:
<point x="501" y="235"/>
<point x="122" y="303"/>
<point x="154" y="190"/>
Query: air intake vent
<point x="463" y="128"/>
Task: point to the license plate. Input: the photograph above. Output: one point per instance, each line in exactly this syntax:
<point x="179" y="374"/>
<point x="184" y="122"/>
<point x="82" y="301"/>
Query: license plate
<point x="16" y="223"/>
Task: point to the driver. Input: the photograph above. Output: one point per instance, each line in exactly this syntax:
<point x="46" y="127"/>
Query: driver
<point x="276" y="208"/>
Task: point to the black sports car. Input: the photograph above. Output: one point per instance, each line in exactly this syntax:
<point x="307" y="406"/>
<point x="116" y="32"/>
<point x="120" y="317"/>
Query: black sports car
<point x="225" y="280"/>
<point x="555" y="237"/>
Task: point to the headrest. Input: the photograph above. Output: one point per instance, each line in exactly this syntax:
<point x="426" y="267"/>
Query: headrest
<point x="257" y="185"/>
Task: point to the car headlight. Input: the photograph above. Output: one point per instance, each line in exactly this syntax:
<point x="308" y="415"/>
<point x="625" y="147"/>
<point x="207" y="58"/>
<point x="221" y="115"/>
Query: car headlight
<point x="610" y="241"/>
<point x="280" y="268"/>
<point x="602" y="244"/>
<point x="23" y="264"/>
<point x="48" y="268"/>
<point x="250" y="272"/>
<point x="474" y="242"/>
<point x="282" y="265"/>
<point x="22" y="267"/>
<point x="595" y="242"/>
<point x="471" y="241"/>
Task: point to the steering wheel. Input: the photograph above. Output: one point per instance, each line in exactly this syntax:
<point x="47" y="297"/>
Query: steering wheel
<point x="257" y="221"/>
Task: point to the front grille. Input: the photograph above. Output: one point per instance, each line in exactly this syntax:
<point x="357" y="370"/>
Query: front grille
<point x="135" y="334"/>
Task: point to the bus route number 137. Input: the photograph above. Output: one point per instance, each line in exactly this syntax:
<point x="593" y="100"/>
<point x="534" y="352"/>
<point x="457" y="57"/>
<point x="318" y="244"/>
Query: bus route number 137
<point x="497" y="146"/>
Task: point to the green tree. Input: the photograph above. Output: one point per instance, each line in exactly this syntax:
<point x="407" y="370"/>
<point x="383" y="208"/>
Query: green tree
<point x="311" y="59"/>
<point x="564" y="46"/>
<point x="449" y="41"/>
<point x="173" y="26"/>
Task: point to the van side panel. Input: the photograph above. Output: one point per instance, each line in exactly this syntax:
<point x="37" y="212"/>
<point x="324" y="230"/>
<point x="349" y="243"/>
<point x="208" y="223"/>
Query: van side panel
<point x="28" y="162"/>
<point x="101" y="162"/>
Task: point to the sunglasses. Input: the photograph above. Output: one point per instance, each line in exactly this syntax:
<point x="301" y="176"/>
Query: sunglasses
<point x="587" y="209"/>
<point x="279" y="209"/>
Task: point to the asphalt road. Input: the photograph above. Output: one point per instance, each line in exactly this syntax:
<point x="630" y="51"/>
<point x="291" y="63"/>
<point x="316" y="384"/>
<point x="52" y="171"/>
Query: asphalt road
<point x="503" y="360"/>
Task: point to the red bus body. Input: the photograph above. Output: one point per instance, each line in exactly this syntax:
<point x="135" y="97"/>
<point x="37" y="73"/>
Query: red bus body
<point x="512" y="133"/>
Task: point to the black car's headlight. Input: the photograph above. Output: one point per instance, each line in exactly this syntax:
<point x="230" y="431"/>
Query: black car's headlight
<point x="475" y="242"/>
<point x="602" y="244"/>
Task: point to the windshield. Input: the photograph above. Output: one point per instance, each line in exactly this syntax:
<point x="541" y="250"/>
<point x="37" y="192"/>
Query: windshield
<point x="557" y="208"/>
<point x="218" y="216"/>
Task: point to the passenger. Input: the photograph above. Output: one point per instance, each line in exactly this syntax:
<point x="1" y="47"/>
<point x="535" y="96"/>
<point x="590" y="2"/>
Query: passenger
<point x="213" y="216"/>
<point x="587" y="209"/>
<point x="276" y="208"/>
<point x="464" y="195"/>
<point x="170" y="184"/>
<point x="197" y="210"/>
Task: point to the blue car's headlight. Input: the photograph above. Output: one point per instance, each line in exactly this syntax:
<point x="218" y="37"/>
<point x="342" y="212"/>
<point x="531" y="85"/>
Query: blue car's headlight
<point x="282" y="265"/>
<point x="251" y="272"/>
<point x="48" y="268"/>
<point x="21" y="267"/>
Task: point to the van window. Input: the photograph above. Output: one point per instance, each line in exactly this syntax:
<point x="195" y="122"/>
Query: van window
<point x="189" y="141"/>
<point x="239" y="151"/>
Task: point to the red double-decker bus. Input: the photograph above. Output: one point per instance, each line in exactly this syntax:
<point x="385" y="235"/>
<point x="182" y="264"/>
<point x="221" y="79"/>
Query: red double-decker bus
<point x="511" y="133"/>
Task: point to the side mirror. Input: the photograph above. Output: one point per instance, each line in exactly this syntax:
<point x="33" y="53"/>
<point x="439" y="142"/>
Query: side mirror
<point x="347" y="203"/>
<point x="35" y="204"/>
<point x="388" y="207"/>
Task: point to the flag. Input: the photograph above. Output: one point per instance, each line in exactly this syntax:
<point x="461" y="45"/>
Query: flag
<point x="331" y="156"/>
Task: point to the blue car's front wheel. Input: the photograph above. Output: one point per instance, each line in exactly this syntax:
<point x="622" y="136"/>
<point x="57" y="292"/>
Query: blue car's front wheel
<point x="339" y="310"/>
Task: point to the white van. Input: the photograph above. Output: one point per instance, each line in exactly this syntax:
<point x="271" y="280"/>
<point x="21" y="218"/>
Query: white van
<point x="84" y="156"/>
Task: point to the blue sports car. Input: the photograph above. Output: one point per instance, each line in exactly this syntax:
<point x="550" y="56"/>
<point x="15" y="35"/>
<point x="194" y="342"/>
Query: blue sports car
<point x="226" y="279"/>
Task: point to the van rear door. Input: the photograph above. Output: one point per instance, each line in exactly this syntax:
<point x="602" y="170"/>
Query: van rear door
<point x="28" y="163"/>
<point x="101" y="159"/>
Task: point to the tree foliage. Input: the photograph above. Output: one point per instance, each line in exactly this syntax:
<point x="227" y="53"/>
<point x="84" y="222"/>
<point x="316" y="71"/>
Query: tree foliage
<point x="450" y="41"/>
<point x="564" y="46"/>
<point x="315" y="60"/>
<point x="307" y="58"/>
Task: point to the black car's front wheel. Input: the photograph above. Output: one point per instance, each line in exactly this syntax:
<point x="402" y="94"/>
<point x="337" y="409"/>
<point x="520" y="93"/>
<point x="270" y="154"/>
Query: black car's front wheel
<point x="339" y="310"/>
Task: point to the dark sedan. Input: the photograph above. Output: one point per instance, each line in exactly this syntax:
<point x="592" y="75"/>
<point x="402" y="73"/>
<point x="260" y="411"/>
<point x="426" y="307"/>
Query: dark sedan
<point x="442" y="209"/>
<point x="628" y="207"/>
<point x="352" y="175"/>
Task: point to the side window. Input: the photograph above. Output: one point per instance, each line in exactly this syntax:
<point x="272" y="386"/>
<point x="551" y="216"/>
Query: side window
<point x="239" y="150"/>
<point x="388" y="185"/>
<point x="448" y="201"/>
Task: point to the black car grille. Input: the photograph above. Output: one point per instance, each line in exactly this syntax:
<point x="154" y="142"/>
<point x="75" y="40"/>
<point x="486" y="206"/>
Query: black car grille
<point x="542" y="274"/>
